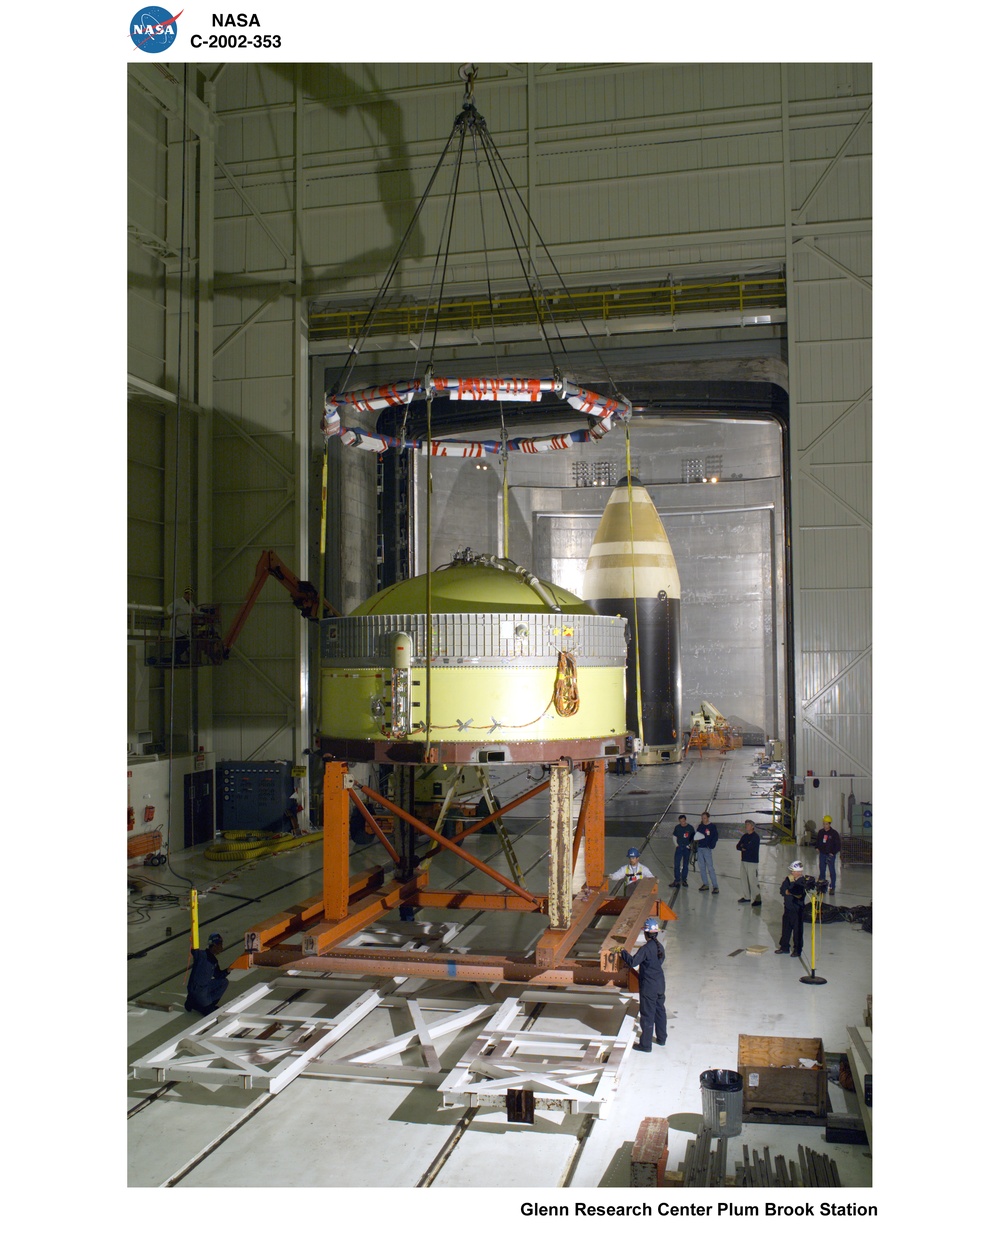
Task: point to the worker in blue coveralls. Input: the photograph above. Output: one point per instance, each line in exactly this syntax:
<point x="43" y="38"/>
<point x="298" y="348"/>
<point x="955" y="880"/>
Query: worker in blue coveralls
<point x="648" y="966"/>
<point x="207" y="982"/>
<point x="793" y="890"/>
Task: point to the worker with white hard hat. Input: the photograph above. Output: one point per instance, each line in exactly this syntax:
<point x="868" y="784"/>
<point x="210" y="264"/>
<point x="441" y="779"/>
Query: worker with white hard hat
<point x="292" y="809"/>
<point x="648" y="966"/>
<point x="793" y="890"/>
<point x="181" y="613"/>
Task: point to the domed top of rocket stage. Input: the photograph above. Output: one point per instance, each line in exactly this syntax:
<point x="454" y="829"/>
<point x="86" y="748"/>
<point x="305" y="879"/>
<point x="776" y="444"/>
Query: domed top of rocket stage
<point x="479" y="587"/>
<point x="625" y="548"/>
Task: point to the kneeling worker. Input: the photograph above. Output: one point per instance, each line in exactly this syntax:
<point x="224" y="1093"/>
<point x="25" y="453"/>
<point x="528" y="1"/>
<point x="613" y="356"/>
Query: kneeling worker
<point x="648" y="965"/>
<point x="207" y="982"/>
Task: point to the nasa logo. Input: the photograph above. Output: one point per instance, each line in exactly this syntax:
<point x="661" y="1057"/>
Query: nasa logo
<point x="154" y="29"/>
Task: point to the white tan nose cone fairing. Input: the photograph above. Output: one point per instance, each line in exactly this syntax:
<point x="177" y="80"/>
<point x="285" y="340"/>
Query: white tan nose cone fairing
<point x="631" y="572"/>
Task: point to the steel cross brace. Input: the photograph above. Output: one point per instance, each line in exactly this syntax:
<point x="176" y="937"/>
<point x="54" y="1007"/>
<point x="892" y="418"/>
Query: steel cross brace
<point x="447" y="843"/>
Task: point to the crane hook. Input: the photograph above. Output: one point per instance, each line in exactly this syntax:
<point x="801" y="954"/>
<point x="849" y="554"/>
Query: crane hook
<point x="468" y="74"/>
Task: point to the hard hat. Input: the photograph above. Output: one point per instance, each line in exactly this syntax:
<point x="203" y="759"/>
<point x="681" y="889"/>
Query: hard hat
<point x="797" y="866"/>
<point x="632" y="852"/>
<point x="213" y="938"/>
<point x="652" y="925"/>
<point x="829" y="818"/>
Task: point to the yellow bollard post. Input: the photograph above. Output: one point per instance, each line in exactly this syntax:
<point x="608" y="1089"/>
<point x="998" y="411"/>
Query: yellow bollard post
<point x="812" y="978"/>
<point x="194" y="920"/>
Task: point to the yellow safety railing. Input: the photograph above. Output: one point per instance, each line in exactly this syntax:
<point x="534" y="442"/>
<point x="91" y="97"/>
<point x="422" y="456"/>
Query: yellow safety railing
<point x="783" y="816"/>
<point x="611" y="304"/>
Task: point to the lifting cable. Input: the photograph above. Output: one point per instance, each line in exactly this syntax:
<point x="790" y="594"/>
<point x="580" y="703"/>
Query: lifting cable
<point x="323" y="521"/>
<point x="358" y="344"/>
<point x="440" y="268"/>
<point x="470" y="78"/>
<point x="176" y="500"/>
<point x="471" y="122"/>
<point x="635" y="603"/>
<point x="427" y="559"/>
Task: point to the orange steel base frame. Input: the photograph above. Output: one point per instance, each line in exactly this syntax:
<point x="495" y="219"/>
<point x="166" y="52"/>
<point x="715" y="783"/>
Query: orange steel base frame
<point x="308" y="936"/>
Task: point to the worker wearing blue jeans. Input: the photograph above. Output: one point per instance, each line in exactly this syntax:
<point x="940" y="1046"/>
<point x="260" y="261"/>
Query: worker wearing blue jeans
<point x="684" y="837"/>
<point x="828" y="841"/>
<point x="705" y="838"/>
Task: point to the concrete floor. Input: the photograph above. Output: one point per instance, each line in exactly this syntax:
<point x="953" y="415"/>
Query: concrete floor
<point x="323" y="1130"/>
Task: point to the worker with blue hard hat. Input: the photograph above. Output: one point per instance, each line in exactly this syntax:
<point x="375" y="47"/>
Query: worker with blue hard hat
<point x="648" y="966"/>
<point x="207" y="981"/>
<point x="633" y="872"/>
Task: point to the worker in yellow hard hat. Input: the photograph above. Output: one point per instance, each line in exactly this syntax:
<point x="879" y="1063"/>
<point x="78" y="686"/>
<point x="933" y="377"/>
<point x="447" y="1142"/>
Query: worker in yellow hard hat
<point x="828" y="843"/>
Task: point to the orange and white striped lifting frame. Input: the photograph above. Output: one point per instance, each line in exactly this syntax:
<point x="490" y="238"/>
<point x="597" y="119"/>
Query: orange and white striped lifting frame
<point x="603" y="412"/>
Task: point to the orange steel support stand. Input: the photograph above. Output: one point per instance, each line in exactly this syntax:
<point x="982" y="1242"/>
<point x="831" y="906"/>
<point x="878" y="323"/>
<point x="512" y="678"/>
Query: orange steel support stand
<point x="306" y="937"/>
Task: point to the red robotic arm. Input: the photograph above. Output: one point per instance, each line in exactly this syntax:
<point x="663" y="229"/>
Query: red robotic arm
<point x="304" y="595"/>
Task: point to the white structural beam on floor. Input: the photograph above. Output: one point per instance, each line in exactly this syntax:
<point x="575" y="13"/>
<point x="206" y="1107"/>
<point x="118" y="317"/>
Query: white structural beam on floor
<point x="236" y="1046"/>
<point x="552" y="1064"/>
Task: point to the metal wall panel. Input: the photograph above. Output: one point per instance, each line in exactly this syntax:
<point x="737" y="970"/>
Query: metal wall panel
<point x="148" y="246"/>
<point x="830" y="81"/>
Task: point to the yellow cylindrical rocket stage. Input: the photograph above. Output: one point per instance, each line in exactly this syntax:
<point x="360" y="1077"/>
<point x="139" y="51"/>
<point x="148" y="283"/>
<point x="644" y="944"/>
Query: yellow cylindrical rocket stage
<point x="521" y="670"/>
<point x="631" y="572"/>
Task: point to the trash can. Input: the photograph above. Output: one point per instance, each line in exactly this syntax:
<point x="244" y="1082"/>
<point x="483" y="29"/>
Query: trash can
<point x="722" y="1102"/>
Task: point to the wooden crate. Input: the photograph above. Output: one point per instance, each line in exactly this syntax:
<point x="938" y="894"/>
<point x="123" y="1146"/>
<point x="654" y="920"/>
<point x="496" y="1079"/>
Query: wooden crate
<point x="773" y="1078"/>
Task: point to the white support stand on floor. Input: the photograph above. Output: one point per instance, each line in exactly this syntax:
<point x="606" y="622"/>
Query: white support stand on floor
<point x="576" y="1073"/>
<point x="237" y="1046"/>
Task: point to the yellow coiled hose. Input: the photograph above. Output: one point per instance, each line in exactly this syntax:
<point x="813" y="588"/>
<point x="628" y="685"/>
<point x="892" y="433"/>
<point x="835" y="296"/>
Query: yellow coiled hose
<point x="250" y="844"/>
